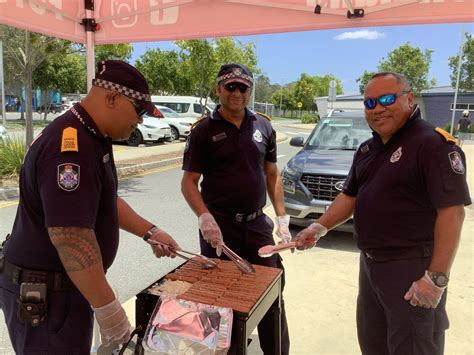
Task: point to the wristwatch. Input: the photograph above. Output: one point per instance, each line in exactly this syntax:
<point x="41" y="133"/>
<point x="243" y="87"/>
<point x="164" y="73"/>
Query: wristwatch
<point x="149" y="233"/>
<point x="440" y="279"/>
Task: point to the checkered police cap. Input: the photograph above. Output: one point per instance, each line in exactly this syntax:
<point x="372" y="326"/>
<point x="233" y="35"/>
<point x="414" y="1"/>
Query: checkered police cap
<point x="127" y="80"/>
<point x="105" y="84"/>
<point x="234" y="72"/>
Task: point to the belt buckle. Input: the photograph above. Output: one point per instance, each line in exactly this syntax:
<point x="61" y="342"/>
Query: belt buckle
<point x="239" y="217"/>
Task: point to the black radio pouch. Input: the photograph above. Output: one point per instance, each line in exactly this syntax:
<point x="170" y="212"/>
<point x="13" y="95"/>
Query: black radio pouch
<point x="32" y="303"/>
<point x="34" y="313"/>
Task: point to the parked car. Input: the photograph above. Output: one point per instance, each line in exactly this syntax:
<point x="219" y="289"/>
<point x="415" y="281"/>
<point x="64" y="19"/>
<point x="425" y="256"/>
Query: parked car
<point x="180" y="126"/>
<point x="3" y="133"/>
<point x="185" y="106"/>
<point x="151" y="130"/>
<point x="52" y="108"/>
<point x="315" y="175"/>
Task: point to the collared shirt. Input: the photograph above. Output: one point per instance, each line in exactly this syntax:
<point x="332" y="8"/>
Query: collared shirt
<point x="62" y="187"/>
<point x="398" y="186"/>
<point x="232" y="161"/>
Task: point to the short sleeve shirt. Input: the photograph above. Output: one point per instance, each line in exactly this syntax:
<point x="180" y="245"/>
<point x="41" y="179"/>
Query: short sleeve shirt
<point x="398" y="186"/>
<point x="464" y="124"/>
<point x="231" y="161"/>
<point x="65" y="182"/>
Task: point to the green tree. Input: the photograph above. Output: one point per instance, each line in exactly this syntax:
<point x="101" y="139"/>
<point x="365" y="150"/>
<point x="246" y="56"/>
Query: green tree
<point x="66" y="73"/>
<point x="263" y="88"/>
<point x="122" y="51"/>
<point x="364" y="79"/>
<point x="409" y="61"/>
<point x="309" y="87"/>
<point x="466" y="79"/>
<point x="26" y="51"/>
<point x="164" y="72"/>
<point x="202" y="58"/>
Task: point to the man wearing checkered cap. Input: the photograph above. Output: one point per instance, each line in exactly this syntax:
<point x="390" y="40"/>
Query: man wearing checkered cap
<point x="234" y="149"/>
<point x="66" y="231"/>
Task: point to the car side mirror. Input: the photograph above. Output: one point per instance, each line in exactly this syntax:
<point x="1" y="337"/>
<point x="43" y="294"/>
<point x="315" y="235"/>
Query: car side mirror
<point x="297" y="141"/>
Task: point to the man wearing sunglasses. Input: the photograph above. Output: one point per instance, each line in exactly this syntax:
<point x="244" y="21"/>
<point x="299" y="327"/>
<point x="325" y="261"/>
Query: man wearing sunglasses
<point x="66" y="232"/>
<point x="234" y="149"/>
<point x="406" y="190"/>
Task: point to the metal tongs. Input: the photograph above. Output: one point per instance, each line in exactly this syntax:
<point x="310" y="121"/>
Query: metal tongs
<point x="205" y="261"/>
<point x="241" y="263"/>
<point x="269" y="250"/>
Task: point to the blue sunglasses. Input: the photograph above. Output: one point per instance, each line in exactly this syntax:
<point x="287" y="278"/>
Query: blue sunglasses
<point x="384" y="100"/>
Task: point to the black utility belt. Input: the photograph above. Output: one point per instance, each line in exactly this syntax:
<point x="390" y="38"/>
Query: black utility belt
<point x="419" y="251"/>
<point x="55" y="281"/>
<point x="238" y="217"/>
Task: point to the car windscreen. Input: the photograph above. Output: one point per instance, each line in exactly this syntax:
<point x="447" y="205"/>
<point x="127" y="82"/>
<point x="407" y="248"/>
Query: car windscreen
<point x="339" y="134"/>
<point x="168" y="112"/>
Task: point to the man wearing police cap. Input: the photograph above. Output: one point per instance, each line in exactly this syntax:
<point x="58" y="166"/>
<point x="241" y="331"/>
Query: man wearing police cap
<point x="234" y="150"/>
<point x="66" y="230"/>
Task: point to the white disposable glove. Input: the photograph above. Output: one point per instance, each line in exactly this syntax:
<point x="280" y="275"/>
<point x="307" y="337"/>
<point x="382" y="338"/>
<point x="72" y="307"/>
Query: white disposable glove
<point x="424" y="293"/>
<point x="161" y="236"/>
<point x="308" y="237"/>
<point x="210" y="231"/>
<point x="113" y="323"/>
<point x="283" y="230"/>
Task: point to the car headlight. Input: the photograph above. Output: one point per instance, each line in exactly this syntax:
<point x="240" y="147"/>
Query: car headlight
<point x="289" y="185"/>
<point x="288" y="172"/>
<point x="187" y="124"/>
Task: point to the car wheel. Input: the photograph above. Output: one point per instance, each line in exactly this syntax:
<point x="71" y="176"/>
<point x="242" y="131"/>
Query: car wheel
<point x="174" y="134"/>
<point x="135" y="138"/>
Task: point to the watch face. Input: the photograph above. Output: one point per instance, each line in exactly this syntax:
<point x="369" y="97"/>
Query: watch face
<point x="441" y="281"/>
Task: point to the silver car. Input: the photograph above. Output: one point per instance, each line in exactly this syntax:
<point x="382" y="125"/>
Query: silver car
<point x="315" y="175"/>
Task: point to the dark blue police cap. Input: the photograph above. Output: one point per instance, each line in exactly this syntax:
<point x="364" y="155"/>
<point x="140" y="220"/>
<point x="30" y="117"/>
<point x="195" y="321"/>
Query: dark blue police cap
<point x="122" y="77"/>
<point x="234" y="72"/>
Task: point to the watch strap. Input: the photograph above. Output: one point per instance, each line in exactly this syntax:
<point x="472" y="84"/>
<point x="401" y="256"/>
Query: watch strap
<point x="150" y="232"/>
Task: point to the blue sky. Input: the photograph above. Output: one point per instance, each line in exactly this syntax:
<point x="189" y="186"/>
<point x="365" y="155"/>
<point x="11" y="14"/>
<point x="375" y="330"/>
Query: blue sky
<point x="346" y="53"/>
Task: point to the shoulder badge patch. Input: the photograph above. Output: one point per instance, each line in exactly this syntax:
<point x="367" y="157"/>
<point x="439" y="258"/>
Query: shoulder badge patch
<point x="456" y="163"/>
<point x="198" y="121"/>
<point x="264" y="115"/>
<point x="69" y="140"/>
<point x="188" y="142"/>
<point x="68" y="176"/>
<point x="449" y="138"/>
<point x="364" y="149"/>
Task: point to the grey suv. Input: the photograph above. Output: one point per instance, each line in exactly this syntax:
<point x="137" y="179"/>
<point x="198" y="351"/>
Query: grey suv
<point x="314" y="176"/>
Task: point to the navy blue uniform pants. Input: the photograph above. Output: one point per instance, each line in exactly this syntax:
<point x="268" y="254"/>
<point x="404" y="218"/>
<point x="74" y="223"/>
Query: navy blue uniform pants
<point x="386" y="323"/>
<point x="245" y="238"/>
<point x="66" y="330"/>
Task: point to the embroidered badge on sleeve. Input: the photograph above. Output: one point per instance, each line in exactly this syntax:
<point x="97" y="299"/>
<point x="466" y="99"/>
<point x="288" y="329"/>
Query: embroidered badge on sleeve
<point x="68" y="176"/>
<point x="456" y="163"/>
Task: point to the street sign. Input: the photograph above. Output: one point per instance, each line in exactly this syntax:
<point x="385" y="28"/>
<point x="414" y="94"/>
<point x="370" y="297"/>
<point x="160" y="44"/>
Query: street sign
<point x="299" y="104"/>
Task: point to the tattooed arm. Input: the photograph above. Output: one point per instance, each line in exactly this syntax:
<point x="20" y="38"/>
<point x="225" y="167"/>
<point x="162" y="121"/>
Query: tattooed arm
<point x="81" y="258"/>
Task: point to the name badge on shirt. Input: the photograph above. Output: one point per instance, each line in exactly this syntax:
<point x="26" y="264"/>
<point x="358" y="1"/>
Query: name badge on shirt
<point x="218" y="137"/>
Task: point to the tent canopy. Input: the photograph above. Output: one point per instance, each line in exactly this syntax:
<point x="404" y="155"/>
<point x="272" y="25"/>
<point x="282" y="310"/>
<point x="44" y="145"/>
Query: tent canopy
<point x="122" y="21"/>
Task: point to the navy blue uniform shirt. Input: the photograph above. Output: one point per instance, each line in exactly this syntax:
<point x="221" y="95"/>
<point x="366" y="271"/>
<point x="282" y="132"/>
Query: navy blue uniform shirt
<point x="232" y="161"/>
<point x="62" y="187"/>
<point x="398" y="186"/>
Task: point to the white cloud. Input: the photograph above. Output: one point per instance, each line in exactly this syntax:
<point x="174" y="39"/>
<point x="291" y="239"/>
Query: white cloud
<point x="361" y="34"/>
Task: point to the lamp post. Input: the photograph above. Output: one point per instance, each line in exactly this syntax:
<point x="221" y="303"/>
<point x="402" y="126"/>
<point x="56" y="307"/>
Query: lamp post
<point x="281" y="96"/>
